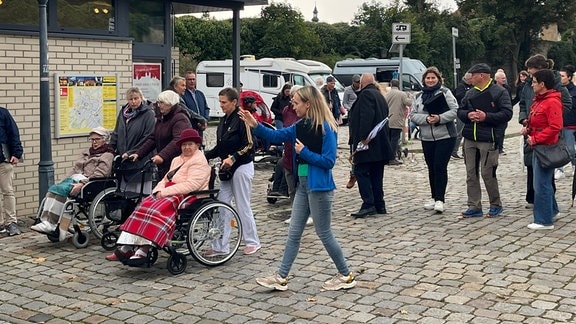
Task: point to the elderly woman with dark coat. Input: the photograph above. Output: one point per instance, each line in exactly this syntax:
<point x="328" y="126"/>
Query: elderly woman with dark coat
<point x="135" y="123"/>
<point x="171" y="120"/>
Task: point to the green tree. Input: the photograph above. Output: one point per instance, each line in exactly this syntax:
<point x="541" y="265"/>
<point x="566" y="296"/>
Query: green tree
<point x="286" y="33"/>
<point x="511" y="26"/>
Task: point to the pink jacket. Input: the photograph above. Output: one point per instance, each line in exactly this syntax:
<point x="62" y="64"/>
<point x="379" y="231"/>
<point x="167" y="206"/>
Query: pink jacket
<point x="192" y="176"/>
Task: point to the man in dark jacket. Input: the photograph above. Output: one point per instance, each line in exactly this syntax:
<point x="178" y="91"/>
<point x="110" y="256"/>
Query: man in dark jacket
<point x="331" y="94"/>
<point x="369" y="109"/>
<point x="459" y="93"/>
<point x="485" y="111"/>
<point x="10" y="155"/>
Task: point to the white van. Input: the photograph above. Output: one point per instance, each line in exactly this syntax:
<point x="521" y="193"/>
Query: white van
<point x="384" y="70"/>
<point x="265" y="76"/>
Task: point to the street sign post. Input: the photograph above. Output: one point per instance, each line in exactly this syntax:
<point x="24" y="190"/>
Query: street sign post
<point x="401" y="36"/>
<point x="456" y="60"/>
<point x="401" y="33"/>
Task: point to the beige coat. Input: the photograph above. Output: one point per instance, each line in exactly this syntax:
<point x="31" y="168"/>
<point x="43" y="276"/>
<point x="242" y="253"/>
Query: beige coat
<point x="97" y="166"/>
<point x="192" y="176"/>
<point x="398" y="103"/>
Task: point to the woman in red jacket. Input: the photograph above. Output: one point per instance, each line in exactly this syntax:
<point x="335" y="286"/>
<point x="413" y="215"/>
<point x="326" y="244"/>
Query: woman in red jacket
<point x="543" y="128"/>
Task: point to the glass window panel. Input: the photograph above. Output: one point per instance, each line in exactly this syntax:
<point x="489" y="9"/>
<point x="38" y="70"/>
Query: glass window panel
<point x="84" y="14"/>
<point x="19" y="12"/>
<point x="147" y="21"/>
<point x="215" y="80"/>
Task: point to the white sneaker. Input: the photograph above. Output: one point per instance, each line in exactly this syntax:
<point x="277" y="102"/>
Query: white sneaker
<point x="287" y="221"/>
<point x="43" y="227"/>
<point x="558" y="174"/>
<point x="430" y="205"/>
<point x="439" y="206"/>
<point x="309" y="221"/>
<point x="535" y="226"/>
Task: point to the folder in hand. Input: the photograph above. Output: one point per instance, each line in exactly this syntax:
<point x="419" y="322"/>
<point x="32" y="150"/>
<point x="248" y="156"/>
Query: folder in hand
<point x="436" y="105"/>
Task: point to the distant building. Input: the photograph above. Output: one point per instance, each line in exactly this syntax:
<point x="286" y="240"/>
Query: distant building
<point x="315" y="16"/>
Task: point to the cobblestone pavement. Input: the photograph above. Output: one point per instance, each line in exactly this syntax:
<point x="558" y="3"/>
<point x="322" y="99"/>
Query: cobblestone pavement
<point x="413" y="266"/>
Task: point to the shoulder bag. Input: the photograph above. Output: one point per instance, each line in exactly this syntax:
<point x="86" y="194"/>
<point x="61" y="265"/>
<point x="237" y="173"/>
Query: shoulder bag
<point x="552" y="156"/>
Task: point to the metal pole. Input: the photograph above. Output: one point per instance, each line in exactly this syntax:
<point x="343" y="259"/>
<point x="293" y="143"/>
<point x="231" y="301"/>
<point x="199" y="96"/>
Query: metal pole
<point x="46" y="165"/>
<point x="236" y="49"/>
<point x="401" y="52"/>
<point x="454" y="55"/>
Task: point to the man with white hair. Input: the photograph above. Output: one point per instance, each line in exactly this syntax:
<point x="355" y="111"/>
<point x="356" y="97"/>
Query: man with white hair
<point x="500" y="79"/>
<point x="369" y="109"/>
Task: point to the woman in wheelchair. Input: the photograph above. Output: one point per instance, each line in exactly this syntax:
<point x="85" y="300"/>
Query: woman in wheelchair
<point x="153" y="221"/>
<point x="95" y="162"/>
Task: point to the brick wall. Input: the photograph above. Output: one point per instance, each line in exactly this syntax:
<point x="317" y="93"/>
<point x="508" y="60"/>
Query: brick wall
<point x="19" y="92"/>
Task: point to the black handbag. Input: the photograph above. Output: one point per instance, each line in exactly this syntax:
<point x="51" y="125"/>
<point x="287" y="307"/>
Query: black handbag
<point x="225" y="174"/>
<point x="553" y="156"/>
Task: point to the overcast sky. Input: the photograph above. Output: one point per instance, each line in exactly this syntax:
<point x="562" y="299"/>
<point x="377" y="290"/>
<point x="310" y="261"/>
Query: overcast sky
<point x="330" y="11"/>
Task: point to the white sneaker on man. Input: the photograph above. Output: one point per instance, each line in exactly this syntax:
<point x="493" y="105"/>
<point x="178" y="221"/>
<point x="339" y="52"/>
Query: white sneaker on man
<point x="558" y="174"/>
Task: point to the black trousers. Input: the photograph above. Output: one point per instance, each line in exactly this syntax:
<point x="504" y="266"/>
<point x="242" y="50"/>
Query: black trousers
<point x="370" y="178"/>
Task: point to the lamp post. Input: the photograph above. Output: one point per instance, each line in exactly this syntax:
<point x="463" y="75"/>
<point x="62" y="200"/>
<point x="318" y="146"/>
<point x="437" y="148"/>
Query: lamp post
<point x="46" y="165"/>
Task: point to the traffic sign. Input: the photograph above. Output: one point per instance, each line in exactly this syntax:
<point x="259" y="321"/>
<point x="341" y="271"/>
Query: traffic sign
<point x="401" y="33"/>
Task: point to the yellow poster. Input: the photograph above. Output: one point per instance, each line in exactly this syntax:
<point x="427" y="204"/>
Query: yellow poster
<point x="85" y="102"/>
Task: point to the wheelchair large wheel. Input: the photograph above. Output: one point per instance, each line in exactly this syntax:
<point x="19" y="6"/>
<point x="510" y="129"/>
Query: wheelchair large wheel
<point x="214" y="233"/>
<point x="100" y="209"/>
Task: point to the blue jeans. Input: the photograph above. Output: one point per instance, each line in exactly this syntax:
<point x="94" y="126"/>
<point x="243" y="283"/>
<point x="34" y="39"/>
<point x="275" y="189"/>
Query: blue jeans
<point x="545" y="205"/>
<point x="319" y="205"/>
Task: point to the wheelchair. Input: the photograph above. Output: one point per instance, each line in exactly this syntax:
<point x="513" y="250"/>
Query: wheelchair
<point x="76" y="208"/>
<point x="112" y="206"/>
<point x="201" y="221"/>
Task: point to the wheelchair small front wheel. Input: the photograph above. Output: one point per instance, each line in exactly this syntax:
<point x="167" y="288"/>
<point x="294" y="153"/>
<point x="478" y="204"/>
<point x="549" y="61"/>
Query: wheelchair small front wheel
<point x="80" y="239"/>
<point x="108" y="241"/>
<point x="53" y="238"/>
<point x="271" y="200"/>
<point x="152" y="255"/>
<point x="177" y="263"/>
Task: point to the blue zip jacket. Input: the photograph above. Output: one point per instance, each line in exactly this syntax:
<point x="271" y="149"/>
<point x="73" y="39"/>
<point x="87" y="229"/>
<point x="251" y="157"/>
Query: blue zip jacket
<point x="9" y="135"/>
<point x="319" y="165"/>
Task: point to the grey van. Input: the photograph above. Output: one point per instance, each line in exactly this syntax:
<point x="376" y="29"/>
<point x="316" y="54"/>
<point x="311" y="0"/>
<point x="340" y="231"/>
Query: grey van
<point x="384" y="70"/>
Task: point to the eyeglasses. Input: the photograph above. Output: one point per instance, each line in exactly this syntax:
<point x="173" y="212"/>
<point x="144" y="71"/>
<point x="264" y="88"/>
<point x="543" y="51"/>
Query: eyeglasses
<point x="95" y="139"/>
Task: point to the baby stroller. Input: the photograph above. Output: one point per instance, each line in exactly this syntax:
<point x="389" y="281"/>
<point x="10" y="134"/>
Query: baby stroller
<point x="265" y="152"/>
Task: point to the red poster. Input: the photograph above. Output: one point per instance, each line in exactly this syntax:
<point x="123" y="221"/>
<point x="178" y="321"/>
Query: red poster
<point x="148" y="77"/>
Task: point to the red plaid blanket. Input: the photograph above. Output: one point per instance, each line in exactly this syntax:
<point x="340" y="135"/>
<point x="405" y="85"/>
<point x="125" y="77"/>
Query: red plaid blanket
<point x="154" y="219"/>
